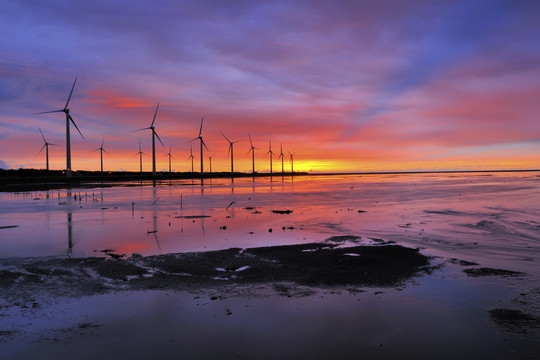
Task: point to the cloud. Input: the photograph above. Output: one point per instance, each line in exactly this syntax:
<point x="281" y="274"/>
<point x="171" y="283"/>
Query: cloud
<point x="356" y="80"/>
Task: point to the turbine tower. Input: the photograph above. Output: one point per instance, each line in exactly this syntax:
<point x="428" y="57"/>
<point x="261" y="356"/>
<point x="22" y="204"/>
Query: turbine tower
<point x="292" y="160"/>
<point x="282" y="157"/>
<point x="140" y="153"/>
<point x="230" y="151"/>
<point x="191" y="157"/>
<point x="154" y="135"/>
<point x="210" y="159"/>
<point x="46" y="147"/>
<point x="202" y="143"/>
<point x="170" y="157"/>
<point x="101" y="150"/>
<point x="252" y="149"/>
<point x="68" y="119"/>
<point x="271" y="154"/>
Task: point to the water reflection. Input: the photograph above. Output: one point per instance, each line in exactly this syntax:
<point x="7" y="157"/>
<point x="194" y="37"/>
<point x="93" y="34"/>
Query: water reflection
<point x="70" y="235"/>
<point x="442" y="213"/>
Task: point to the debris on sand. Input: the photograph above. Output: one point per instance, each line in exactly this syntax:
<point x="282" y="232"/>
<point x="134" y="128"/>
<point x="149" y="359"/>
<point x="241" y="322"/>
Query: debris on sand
<point x="282" y="211"/>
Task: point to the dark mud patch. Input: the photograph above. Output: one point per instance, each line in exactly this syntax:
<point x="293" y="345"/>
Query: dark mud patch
<point x="462" y="262"/>
<point x="192" y="216"/>
<point x="282" y="211"/>
<point x="7" y="335"/>
<point x="483" y="271"/>
<point x="294" y="268"/>
<point x="514" y="320"/>
<point x="443" y="212"/>
<point x="342" y="239"/>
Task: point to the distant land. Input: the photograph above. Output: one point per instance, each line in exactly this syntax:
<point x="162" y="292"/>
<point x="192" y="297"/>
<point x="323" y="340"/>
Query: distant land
<point x="14" y="180"/>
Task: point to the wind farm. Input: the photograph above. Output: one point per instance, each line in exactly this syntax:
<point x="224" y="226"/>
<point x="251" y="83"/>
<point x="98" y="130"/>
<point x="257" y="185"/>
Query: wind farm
<point x="68" y="172"/>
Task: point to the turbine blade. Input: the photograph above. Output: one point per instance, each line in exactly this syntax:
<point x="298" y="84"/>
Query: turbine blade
<point x="200" y="130"/>
<point x="225" y="137"/>
<point x="158" y="138"/>
<point x="42" y="135"/>
<point x="148" y="128"/>
<point x="157" y="107"/>
<point x="102" y="141"/>
<point x="250" y="140"/>
<point x="70" y="93"/>
<point x="76" y="127"/>
<point x="48" y="112"/>
<point x="42" y="149"/>
<point x="106" y="152"/>
<point x="202" y="141"/>
<point x="229" y="151"/>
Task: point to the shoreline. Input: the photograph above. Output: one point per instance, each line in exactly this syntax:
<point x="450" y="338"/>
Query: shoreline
<point x="35" y="179"/>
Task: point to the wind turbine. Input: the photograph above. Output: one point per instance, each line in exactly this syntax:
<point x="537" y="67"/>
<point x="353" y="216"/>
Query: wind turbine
<point x="101" y="150"/>
<point x="252" y="149"/>
<point x="292" y="160"/>
<point x="68" y="119"/>
<point x="230" y="151"/>
<point x="210" y="159"/>
<point x="202" y="143"/>
<point x="170" y="157"/>
<point x="46" y="147"/>
<point x="154" y="135"/>
<point x="191" y="157"/>
<point x="282" y="157"/>
<point x="140" y="153"/>
<point x="271" y="154"/>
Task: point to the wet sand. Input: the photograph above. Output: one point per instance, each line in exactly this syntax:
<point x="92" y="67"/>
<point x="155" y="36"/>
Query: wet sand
<point x="55" y="307"/>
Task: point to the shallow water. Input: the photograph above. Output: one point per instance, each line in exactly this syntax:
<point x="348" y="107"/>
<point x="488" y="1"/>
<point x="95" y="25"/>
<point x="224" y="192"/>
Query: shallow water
<point x="492" y="218"/>
<point x="429" y="319"/>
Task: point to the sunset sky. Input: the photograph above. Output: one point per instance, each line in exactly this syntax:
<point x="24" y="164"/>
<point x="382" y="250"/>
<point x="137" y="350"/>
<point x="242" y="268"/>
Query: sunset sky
<point x="345" y="85"/>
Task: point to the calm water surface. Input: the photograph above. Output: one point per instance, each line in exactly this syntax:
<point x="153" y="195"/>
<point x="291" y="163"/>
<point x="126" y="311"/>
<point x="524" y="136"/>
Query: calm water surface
<point x="493" y="217"/>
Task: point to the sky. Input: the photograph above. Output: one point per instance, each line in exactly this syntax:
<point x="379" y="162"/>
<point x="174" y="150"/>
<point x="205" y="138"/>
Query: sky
<point x="344" y="85"/>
